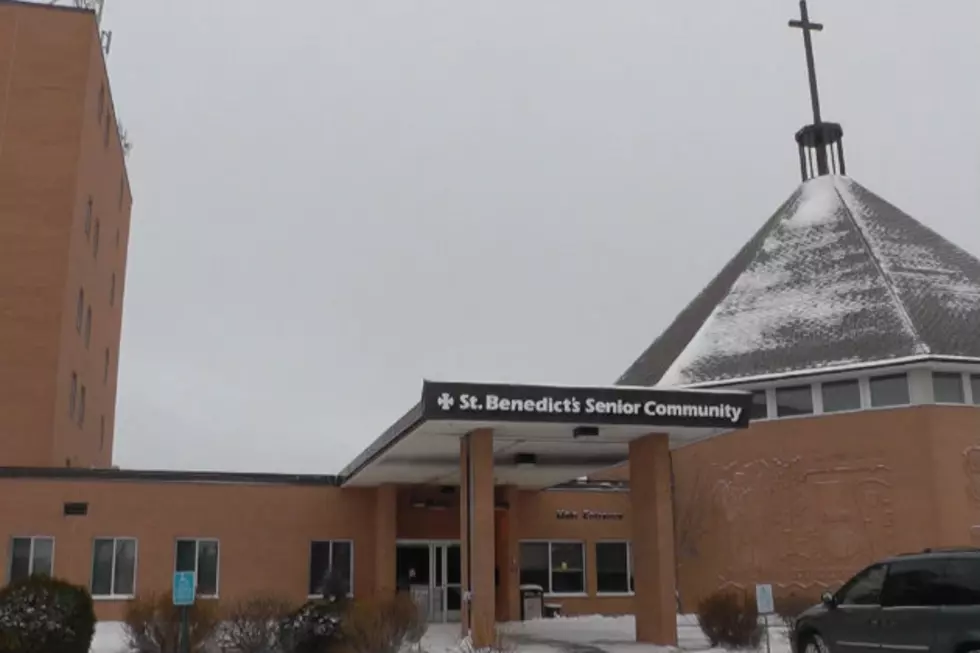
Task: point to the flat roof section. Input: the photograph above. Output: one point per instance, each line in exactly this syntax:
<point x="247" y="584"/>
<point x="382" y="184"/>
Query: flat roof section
<point x="543" y="435"/>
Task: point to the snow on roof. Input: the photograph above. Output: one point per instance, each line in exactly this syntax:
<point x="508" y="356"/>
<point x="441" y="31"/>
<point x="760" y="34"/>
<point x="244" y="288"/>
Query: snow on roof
<point x="837" y="276"/>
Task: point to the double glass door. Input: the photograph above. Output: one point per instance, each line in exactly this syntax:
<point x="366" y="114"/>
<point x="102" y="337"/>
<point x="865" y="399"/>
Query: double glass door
<point x="431" y="571"/>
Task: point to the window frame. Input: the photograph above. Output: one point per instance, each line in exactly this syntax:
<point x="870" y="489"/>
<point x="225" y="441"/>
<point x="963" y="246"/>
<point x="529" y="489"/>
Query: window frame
<point x="551" y="567"/>
<point x="80" y="311"/>
<point x="855" y="381"/>
<point x="197" y="562"/>
<point x="32" y="538"/>
<point x="629" y="568"/>
<point x="96" y="235"/>
<point x="112" y="596"/>
<point x="309" y="566"/>
<point x="947" y="374"/>
<point x="908" y="389"/>
<point x="795" y="386"/>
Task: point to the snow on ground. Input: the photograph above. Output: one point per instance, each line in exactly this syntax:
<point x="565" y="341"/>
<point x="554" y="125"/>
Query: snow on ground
<point x="607" y="634"/>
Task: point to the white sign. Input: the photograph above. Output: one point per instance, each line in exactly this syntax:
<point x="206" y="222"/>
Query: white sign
<point x="764" y="600"/>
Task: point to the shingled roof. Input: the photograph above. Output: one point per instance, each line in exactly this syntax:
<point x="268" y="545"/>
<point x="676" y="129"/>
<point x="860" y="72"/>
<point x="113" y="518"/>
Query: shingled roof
<point x="837" y="276"/>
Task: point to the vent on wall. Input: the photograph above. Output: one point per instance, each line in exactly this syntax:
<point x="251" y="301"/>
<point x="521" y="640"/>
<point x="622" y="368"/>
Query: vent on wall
<point x="76" y="509"/>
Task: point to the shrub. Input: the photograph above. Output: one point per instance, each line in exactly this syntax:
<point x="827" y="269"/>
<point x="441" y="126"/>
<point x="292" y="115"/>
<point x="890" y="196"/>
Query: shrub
<point x="255" y="625"/>
<point x="41" y="614"/>
<point x="152" y="624"/>
<point x="313" y="628"/>
<point x="729" y="619"/>
<point x="381" y="625"/>
<point x="790" y="607"/>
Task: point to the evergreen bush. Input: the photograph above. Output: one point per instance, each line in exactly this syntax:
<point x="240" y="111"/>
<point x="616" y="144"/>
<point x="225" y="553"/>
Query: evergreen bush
<point x="44" y="615"/>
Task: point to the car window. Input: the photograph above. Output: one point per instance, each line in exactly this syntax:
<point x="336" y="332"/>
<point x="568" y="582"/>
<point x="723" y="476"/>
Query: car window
<point x="961" y="582"/>
<point x="863" y="589"/>
<point x="914" y="583"/>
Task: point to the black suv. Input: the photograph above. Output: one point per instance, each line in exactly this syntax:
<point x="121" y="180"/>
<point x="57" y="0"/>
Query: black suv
<point x="915" y="603"/>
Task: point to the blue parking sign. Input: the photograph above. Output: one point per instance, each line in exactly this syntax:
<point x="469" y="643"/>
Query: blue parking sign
<point x="184" y="588"/>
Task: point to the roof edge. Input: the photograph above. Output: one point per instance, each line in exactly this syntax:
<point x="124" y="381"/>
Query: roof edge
<point x="167" y="476"/>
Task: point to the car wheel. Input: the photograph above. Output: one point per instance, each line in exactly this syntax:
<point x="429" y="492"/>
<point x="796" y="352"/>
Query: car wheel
<point x="815" y="644"/>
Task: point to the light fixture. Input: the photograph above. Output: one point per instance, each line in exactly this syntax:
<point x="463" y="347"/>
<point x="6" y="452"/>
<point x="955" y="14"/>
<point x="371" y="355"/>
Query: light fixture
<point x="524" y="460"/>
<point x="585" y="432"/>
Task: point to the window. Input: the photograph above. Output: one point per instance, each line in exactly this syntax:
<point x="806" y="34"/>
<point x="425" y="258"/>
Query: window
<point x="114" y="567"/>
<point x="840" y="395"/>
<point x="797" y="400"/>
<point x="80" y="310"/>
<point x="81" y="407"/>
<point x="558" y="567"/>
<point x="961" y="583"/>
<point x="913" y="583"/>
<point x="105" y="367"/>
<point x="88" y="326"/>
<point x="88" y="217"/>
<point x="201" y="557"/>
<point x="613" y="567"/>
<point x="890" y="390"/>
<point x="108" y="124"/>
<point x="30" y="556"/>
<point x="112" y="290"/>
<point x="331" y="557"/>
<point x="947" y="388"/>
<point x="101" y="103"/>
<point x="760" y="407"/>
<point x="975" y="387"/>
<point x="95" y="239"/>
<point x="863" y="589"/>
<point x="73" y="394"/>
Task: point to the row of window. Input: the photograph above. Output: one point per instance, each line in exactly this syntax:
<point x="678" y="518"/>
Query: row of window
<point x="114" y="563"/>
<point x="559" y="566"/>
<point x="854" y="394"/>
<point x="107" y="117"/>
<point x="915" y="583"/>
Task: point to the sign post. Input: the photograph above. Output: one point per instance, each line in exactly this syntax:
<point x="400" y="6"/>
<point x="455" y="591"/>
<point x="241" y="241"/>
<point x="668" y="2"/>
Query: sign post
<point x="183" y="593"/>
<point x="766" y="606"/>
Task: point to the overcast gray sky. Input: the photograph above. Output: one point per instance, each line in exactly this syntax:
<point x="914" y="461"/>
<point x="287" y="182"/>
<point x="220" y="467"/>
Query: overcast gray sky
<point x="336" y="199"/>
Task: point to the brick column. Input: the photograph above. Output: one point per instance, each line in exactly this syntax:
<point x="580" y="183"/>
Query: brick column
<point x="385" y="534"/>
<point x="652" y="516"/>
<point x="506" y="543"/>
<point x="477" y="537"/>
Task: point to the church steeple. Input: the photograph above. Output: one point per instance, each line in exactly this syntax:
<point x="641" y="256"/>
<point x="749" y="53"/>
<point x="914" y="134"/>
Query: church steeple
<point x="820" y="143"/>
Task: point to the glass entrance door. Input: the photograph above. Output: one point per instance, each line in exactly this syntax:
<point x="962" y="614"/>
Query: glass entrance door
<point x="432" y="572"/>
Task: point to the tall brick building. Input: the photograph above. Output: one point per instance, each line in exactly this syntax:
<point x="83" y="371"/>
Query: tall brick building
<point x="64" y="227"/>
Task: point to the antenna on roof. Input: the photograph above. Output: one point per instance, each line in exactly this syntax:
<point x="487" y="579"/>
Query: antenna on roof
<point x="814" y="140"/>
<point x="105" y="36"/>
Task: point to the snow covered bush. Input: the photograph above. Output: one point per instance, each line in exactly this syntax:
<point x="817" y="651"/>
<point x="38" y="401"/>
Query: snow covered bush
<point x="152" y="625"/>
<point x="382" y="625"/>
<point x="314" y="628"/>
<point x="42" y="614"/>
<point x="255" y="625"/>
<point x="730" y="619"/>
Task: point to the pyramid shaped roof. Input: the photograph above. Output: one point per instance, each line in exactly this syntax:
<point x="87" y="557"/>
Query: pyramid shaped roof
<point x="838" y="276"/>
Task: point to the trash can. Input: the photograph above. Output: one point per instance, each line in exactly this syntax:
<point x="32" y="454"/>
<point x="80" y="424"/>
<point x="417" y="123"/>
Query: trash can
<point x="552" y="610"/>
<point x="532" y="602"/>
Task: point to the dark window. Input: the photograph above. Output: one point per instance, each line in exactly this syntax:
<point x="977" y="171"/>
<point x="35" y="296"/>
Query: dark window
<point x="80" y="310"/>
<point x="961" y="583"/>
<point x="975" y="387"/>
<point x="73" y="395"/>
<point x="863" y="589"/>
<point x="81" y="406"/>
<point x="840" y="395"/>
<point x="30" y="556"/>
<point x="612" y="567"/>
<point x="88" y="326"/>
<point x="105" y="367"/>
<point x="797" y="400"/>
<point x="201" y="557"/>
<point x="947" y="388"/>
<point x="112" y="290"/>
<point x="88" y="217"/>
<point x="890" y="390"/>
<point x="760" y="407"/>
<point x="114" y="567"/>
<point x="75" y="509"/>
<point x="567" y="568"/>
<point x="95" y="239"/>
<point x="331" y="558"/>
<point x="534" y="564"/>
<point x="913" y="583"/>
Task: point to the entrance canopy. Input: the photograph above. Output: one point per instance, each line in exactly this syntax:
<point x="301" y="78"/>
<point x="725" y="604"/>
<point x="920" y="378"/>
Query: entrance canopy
<point x="542" y="435"/>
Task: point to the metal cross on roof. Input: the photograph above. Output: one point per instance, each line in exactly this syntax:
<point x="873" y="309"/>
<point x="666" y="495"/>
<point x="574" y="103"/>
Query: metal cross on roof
<point x="807" y="27"/>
